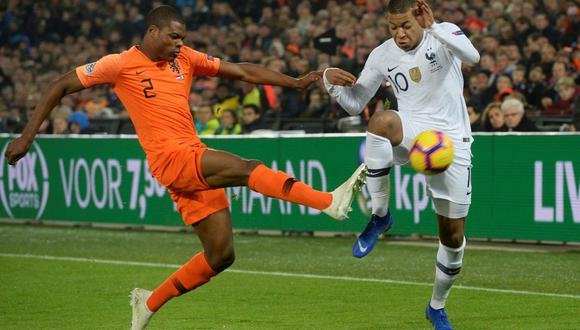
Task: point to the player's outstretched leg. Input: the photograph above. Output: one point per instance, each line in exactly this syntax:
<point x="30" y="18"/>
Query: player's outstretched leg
<point x="438" y="318"/>
<point x="280" y="185"/>
<point x="343" y="195"/>
<point x="368" y="238"/>
<point x="141" y="313"/>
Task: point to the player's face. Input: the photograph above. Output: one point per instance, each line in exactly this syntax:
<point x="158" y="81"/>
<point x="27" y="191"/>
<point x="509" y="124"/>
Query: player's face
<point x="169" y="40"/>
<point x="405" y="30"/>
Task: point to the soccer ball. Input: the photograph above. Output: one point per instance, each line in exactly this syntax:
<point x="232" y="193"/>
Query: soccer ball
<point x="431" y="152"/>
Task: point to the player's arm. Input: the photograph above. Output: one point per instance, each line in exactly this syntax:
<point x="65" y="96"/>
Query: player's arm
<point x="351" y="93"/>
<point x="257" y="74"/>
<point x="66" y="84"/>
<point x="450" y="35"/>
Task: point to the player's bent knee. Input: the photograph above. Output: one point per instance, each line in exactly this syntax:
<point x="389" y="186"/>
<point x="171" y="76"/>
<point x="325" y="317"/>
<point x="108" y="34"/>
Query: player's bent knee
<point x="454" y="241"/>
<point x="250" y="166"/>
<point x="227" y="259"/>
<point x="219" y="261"/>
<point x="386" y="124"/>
<point x="253" y="163"/>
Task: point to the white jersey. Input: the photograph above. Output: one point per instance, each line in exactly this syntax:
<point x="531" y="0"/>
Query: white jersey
<point x="427" y="81"/>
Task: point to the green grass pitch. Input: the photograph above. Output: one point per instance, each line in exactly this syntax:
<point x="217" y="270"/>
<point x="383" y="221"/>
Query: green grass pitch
<point x="79" y="278"/>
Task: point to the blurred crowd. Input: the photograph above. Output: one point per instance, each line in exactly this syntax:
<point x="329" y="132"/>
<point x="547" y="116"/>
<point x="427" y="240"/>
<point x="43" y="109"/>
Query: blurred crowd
<point x="527" y="79"/>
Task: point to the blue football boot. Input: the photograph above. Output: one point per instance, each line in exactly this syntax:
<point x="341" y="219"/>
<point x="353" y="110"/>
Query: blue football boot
<point x="438" y="318"/>
<point x="368" y="238"/>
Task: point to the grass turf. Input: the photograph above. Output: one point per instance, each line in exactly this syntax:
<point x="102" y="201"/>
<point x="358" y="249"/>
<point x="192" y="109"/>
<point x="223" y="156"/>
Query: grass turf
<point x="65" y="294"/>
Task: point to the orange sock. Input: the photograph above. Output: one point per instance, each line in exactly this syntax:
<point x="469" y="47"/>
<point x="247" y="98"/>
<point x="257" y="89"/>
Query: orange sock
<point x="194" y="273"/>
<point x="280" y="185"/>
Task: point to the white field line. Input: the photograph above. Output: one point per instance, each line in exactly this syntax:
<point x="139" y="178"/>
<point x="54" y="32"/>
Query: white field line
<point x="475" y="246"/>
<point x="310" y="276"/>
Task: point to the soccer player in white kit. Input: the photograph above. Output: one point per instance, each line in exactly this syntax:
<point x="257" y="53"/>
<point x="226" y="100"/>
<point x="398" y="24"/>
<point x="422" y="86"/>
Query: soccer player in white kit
<point x="422" y="62"/>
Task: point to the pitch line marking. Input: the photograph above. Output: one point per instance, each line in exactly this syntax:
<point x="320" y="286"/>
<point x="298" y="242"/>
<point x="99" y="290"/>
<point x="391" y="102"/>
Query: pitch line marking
<point x="284" y="274"/>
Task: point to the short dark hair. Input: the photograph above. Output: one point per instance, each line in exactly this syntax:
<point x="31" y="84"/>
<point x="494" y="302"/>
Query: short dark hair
<point x="254" y="107"/>
<point x="400" y="6"/>
<point x="162" y="16"/>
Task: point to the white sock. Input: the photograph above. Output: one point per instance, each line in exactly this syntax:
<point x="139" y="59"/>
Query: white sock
<point x="379" y="160"/>
<point x="447" y="269"/>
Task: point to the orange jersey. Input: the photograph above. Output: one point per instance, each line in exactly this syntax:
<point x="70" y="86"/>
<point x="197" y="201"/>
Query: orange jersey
<point x="156" y="96"/>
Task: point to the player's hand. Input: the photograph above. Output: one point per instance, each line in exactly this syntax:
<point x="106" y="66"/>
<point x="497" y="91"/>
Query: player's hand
<point x="423" y="14"/>
<point x="340" y="77"/>
<point x="309" y="79"/>
<point x="17" y="149"/>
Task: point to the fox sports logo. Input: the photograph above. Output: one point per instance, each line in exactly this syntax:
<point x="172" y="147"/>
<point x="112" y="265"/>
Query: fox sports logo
<point x="24" y="187"/>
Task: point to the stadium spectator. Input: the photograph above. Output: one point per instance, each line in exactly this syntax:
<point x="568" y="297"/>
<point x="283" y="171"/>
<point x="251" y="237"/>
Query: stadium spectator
<point x="474" y="118"/>
<point x="225" y="99"/>
<point x="504" y="87"/>
<point x="536" y="88"/>
<point x="519" y="78"/>
<point x="78" y="123"/>
<point x="567" y="92"/>
<point x="60" y="125"/>
<point x="515" y="117"/>
<point x="37" y="35"/>
<point x="251" y="119"/>
<point x="493" y="119"/>
<point x="316" y="101"/>
<point x="205" y="122"/>
<point x="482" y="92"/>
<point x="229" y="123"/>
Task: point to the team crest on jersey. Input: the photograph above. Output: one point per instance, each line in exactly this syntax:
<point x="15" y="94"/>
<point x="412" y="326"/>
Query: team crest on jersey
<point x="415" y="74"/>
<point x="175" y="66"/>
<point x="90" y="68"/>
<point x="432" y="58"/>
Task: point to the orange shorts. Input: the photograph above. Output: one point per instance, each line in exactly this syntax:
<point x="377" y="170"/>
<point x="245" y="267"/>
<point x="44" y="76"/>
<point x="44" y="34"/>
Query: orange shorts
<point x="195" y="199"/>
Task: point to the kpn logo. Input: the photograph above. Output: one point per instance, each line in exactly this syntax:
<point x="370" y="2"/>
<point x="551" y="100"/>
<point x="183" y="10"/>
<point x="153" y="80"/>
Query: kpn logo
<point x="24" y="187"/>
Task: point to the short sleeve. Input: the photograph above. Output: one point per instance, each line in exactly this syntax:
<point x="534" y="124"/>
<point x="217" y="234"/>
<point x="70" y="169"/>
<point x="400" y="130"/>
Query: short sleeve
<point x="202" y="64"/>
<point x="103" y="71"/>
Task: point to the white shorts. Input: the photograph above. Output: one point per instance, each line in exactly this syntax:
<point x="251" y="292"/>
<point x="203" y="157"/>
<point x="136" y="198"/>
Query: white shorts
<point x="453" y="185"/>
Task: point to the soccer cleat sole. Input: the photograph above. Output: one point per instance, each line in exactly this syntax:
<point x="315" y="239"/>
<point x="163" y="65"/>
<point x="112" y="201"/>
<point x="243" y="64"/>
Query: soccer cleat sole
<point x="344" y="195"/>
<point x="357" y="185"/>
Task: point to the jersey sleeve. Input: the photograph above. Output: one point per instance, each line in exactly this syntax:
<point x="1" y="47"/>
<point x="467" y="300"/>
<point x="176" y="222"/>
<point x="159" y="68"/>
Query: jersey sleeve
<point x="354" y="99"/>
<point x="103" y="71"/>
<point x="202" y="64"/>
<point x="451" y="36"/>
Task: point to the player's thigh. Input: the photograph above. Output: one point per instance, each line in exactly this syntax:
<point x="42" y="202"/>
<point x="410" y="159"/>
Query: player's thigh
<point x="217" y="239"/>
<point x="224" y="169"/>
<point x="215" y="231"/>
<point x="409" y="130"/>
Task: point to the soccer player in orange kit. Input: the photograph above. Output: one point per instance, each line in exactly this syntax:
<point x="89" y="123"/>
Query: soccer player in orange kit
<point x="153" y="81"/>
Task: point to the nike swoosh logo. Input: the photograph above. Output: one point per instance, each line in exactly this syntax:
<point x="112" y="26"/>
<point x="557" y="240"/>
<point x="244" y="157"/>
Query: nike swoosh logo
<point x="140" y="72"/>
<point x="469" y="193"/>
<point x="389" y="69"/>
<point x="362" y="248"/>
